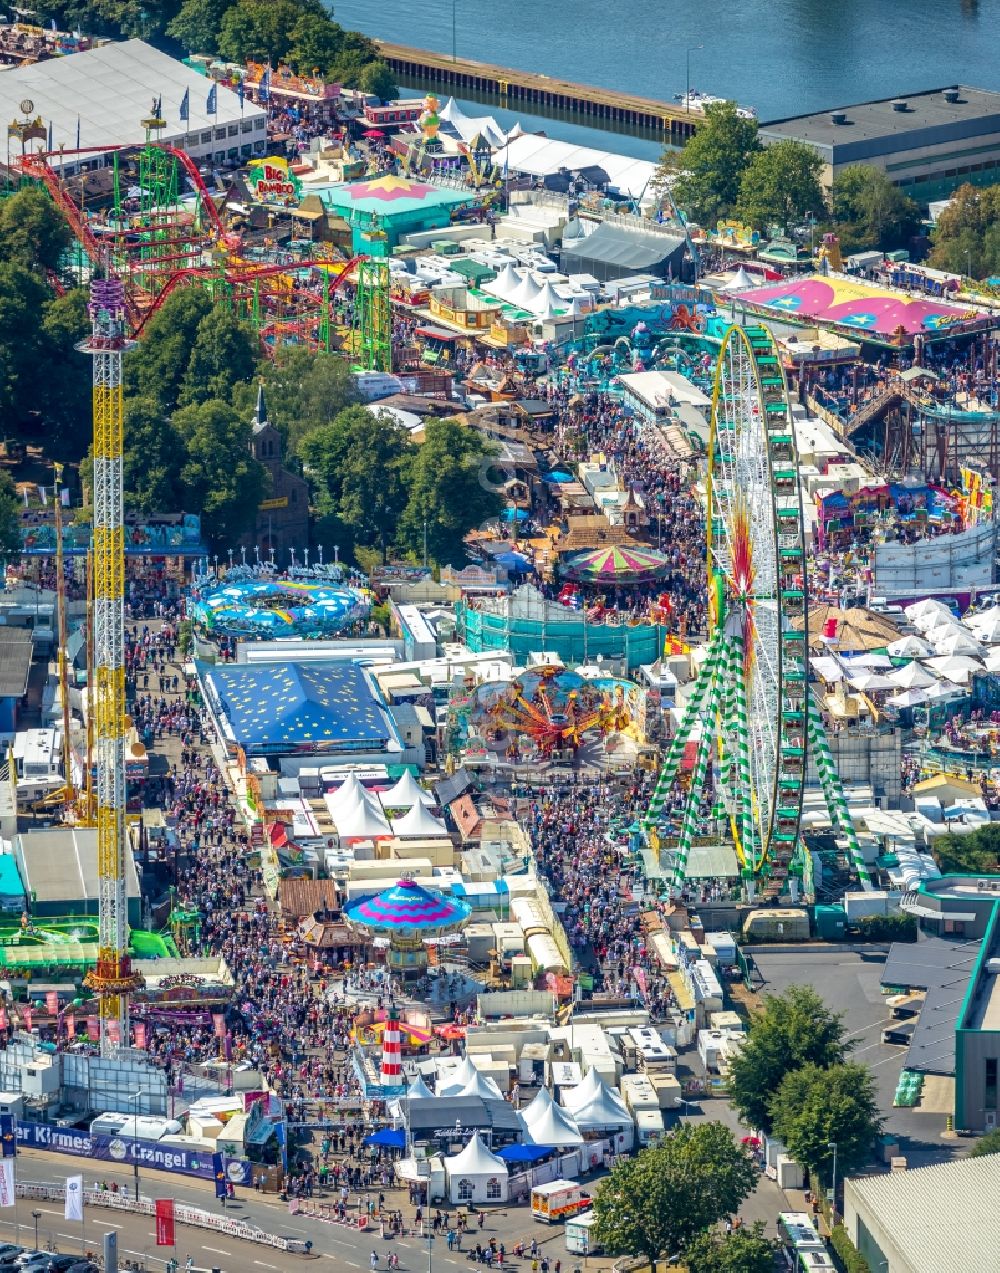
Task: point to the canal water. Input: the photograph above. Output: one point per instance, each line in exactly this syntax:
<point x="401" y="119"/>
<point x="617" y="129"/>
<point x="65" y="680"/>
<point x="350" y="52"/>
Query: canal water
<point x="782" y="57"/>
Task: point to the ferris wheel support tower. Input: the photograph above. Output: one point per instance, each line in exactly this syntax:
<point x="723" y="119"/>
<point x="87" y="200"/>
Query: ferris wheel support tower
<point x="112" y="980"/>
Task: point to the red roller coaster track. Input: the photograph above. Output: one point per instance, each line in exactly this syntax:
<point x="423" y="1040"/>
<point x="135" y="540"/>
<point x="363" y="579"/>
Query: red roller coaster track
<point x="37" y="167"/>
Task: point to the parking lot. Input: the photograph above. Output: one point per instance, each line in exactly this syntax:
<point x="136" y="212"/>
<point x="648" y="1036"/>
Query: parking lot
<point x="847" y="980"/>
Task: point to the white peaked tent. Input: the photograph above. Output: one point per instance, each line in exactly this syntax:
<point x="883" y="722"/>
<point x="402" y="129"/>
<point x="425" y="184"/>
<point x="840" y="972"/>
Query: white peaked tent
<point x="406" y="793"/>
<point x="554" y="1128"/>
<point x="418" y="1090"/>
<point x="505" y="283"/>
<point x="363" y="822"/>
<point x="419" y="824"/>
<point x="740" y="281"/>
<point x="450" y="1084"/>
<point x="596" y="1108"/>
<point x="347" y="793"/>
<point x="536" y="1107"/>
<point x="452" y="113"/>
<point x="549" y="302"/>
<point x="476" y="1174"/>
<point x="526" y="292"/>
<point x="483" y="1086"/>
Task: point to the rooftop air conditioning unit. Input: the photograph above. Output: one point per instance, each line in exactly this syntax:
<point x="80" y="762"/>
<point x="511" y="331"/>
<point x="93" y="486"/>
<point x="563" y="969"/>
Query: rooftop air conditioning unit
<point x="838" y="117"/>
<point x="900" y="106"/>
<point x="952" y="95"/>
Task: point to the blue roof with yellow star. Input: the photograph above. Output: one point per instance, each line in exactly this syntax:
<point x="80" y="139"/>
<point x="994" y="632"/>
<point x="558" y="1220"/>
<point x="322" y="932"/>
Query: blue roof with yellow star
<point x="278" y="708"/>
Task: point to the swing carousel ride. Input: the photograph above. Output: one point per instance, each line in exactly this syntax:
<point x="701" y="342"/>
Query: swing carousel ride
<point x="751" y="718"/>
<point x="548" y="712"/>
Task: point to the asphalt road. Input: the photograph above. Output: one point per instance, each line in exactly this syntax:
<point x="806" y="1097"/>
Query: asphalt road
<point x="348" y="1246"/>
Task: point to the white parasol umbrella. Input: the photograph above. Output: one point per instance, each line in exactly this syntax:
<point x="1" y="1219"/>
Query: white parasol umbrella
<point x="909" y="647"/>
<point x="912" y="676"/>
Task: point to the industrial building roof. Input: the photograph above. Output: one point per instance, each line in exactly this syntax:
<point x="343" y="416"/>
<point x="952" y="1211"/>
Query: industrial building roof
<point x="15" y="661"/>
<point x="943" y="969"/>
<point x="106" y="92"/>
<point x="942" y="1217"/>
<point x="59" y="864"/>
<point x="928" y="119"/>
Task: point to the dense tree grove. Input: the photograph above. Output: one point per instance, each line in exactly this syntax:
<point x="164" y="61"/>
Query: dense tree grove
<point x="724" y="172"/>
<point x="967" y="234"/>
<point x="658" y="1203"/>
<point x="299" y="33"/>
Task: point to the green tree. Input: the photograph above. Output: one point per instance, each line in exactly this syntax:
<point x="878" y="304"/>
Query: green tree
<point x="33" y="230"/>
<point x="967" y="234"/>
<point x="23" y="296"/>
<point x="378" y="78"/>
<point x="780" y="185"/>
<point x="706" y="174"/>
<point x="64" y="393"/>
<point x="656" y="1203"/>
<point x="304" y="391"/>
<point x="197" y="24"/>
<point x="450" y="491"/>
<point x="262" y="29"/>
<point x="745" y="1250"/>
<point x="870" y="212"/>
<point x="157" y="369"/>
<point x="10" y="519"/>
<point x="817" y="1107"/>
<point x="360" y="465"/>
<point x="315" y="44"/>
<point x="154" y="457"/>
<point x="985" y="1145"/>
<point x="977" y="852"/>
<point x="357" y="52"/>
<point x="224" y="353"/>
<point x="219" y="477"/>
<point x="792" y="1030"/>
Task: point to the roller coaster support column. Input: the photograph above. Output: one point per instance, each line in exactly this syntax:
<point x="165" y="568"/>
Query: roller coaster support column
<point x="836" y="801"/>
<point x="676" y="750"/>
<point x="702" y="757"/>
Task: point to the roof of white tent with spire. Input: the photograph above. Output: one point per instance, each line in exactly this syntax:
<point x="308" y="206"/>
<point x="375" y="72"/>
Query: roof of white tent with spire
<point x="419" y="822"/>
<point x="592" y="1102"/>
<point x="451" y="1082"/>
<point x="555" y="1128"/>
<point x="476" y="1160"/>
<point x="539" y="1104"/>
<point x="418" y="1090"/>
<point x="481" y="1085"/>
<point x="405" y="793"/>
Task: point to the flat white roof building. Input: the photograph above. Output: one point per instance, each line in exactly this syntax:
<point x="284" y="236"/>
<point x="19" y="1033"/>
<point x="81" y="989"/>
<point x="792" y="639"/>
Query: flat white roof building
<point x="102" y="96"/>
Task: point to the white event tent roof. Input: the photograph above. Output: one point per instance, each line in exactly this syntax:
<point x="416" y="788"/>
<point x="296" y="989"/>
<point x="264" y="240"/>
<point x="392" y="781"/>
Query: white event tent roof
<point x="108" y="91"/>
<point x="543" y="156"/>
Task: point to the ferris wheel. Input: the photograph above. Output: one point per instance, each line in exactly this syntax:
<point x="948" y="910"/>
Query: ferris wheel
<point x="757" y="580"/>
<point x="750" y="714"/>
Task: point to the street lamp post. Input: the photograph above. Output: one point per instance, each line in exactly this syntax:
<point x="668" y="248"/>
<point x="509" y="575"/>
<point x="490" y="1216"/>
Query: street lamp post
<point x="454" y="30"/>
<point x="833" y="1189"/>
<point x="36" y="1216"/>
<point x="687" y="61"/>
<point x="135" y="1141"/>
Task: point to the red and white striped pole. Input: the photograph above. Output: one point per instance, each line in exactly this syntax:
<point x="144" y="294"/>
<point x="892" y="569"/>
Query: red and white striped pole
<point x="392" y="1054"/>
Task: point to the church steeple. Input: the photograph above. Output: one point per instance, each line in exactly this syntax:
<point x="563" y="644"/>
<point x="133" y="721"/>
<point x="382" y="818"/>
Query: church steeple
<point x="260" y="415"/>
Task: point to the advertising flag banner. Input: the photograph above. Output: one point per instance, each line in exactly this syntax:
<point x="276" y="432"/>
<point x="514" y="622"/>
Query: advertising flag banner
<point x="219" y="1172"/>
<point x="7" y="1192"/>
<point x="164" y="1222"/>
<point x="74" y="1198"/>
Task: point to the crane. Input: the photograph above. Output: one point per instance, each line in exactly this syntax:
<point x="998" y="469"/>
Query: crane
<point x="68" y="793"/>
<point x="112" y="980"/>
